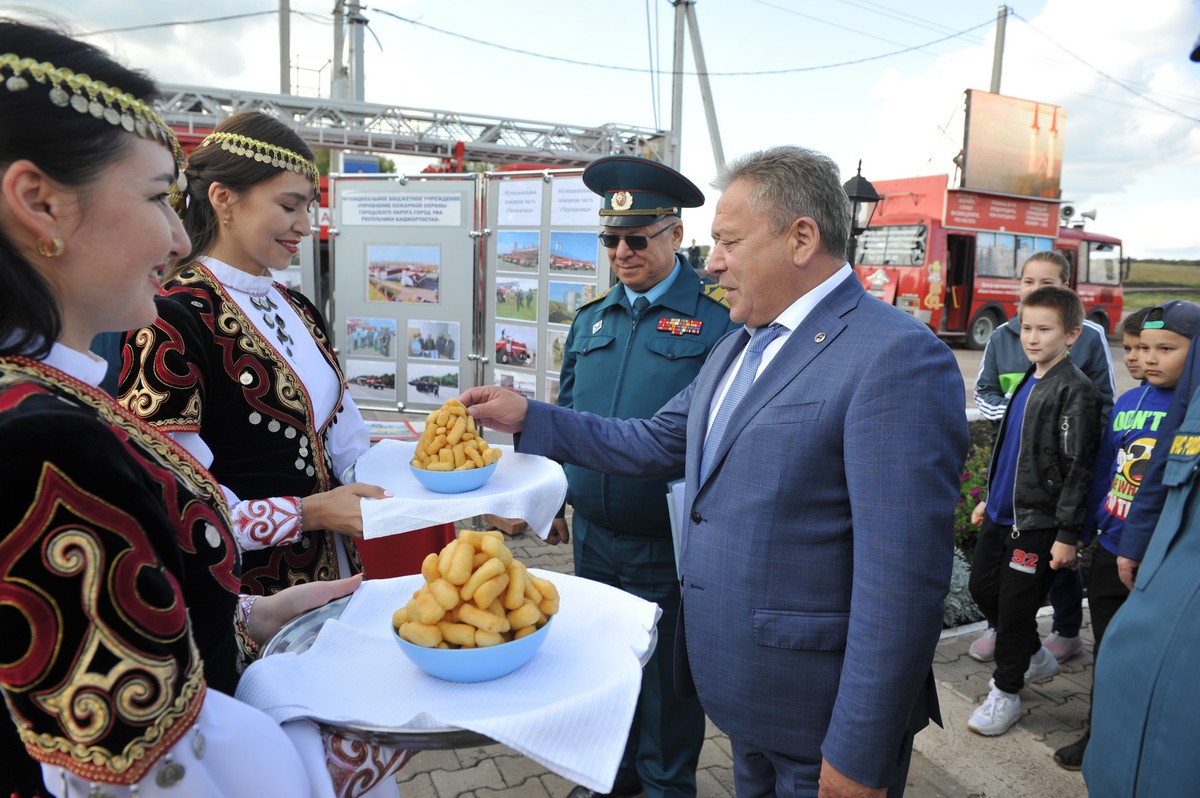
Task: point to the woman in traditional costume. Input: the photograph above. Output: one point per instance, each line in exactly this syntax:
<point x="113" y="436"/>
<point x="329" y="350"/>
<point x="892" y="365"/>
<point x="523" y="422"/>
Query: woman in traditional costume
<point x="121" y="627"/>
<point x="239" y="368"/>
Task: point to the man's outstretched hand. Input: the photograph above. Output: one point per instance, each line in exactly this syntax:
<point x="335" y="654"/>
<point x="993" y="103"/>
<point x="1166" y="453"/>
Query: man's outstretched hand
<point x="496" y="408"/>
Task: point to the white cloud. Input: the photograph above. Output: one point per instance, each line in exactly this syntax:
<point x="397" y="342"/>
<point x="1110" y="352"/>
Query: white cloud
<point x="902" y="115"/>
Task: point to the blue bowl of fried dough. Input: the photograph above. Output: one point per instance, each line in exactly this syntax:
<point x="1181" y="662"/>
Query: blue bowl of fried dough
<point x="474" y="664"/>
<point x="454" y="481"/>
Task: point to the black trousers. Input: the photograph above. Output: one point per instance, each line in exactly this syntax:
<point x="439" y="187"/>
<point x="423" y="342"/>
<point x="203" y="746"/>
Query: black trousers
<point x="1106" y="593"/>
<point x="1010" y="577"/>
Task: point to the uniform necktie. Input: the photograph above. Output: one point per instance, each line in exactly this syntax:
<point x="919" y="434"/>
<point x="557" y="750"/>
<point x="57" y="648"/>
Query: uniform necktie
<point x="742" y="381"/>
<point x="639" y="306"/>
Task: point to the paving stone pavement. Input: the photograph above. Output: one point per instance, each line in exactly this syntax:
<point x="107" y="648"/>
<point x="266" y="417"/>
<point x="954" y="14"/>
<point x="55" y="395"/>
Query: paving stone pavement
<point x="947" y="763"/>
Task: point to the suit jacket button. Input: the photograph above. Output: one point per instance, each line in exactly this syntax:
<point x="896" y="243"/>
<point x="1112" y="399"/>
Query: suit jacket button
<point x="696" y="518"/>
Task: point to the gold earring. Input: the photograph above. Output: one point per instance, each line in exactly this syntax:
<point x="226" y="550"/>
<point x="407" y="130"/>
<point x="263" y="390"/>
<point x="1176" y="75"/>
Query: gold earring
<point x="225" y="221"/>
<point x="55" y="248"/>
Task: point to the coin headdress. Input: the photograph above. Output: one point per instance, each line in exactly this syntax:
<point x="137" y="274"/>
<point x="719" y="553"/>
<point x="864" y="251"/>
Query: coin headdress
<point x="82" y="94"/>
<point x="265" y="152"/>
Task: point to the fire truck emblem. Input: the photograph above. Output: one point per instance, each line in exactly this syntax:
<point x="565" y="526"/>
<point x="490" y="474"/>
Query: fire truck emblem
<point x="622" y="201"/>
<point x="933" y="300"/>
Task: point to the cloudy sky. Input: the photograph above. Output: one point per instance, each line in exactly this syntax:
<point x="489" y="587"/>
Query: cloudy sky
<point x="1120" y="68"/>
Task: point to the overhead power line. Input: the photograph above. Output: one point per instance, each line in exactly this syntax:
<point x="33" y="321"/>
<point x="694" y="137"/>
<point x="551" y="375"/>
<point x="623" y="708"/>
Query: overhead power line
<point x="639" y="70"/>
<point x="1104" y="74"/>
<point x="152" y="25"/>
<point x="854" y="30"/>
<point x="909" y="18"/>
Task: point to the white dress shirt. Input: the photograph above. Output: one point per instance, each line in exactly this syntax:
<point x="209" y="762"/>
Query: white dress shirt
<point x="791" y="318"/>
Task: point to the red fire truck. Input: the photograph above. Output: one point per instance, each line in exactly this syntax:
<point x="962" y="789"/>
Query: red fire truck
<point x="951" y="257"/>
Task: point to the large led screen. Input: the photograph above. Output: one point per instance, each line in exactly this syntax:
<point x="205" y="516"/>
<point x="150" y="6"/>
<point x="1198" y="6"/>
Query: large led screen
<point x="1012" y="146"/>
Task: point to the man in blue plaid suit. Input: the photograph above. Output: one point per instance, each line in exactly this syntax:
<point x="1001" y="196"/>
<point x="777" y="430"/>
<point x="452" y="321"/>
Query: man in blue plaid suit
<point x="818" y="535"/>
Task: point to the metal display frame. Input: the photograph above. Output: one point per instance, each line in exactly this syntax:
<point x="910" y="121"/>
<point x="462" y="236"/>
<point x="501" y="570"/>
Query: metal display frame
<point x="380" y="224"/>
<point x="565" y="210"/>
<point x="494" y="208"/>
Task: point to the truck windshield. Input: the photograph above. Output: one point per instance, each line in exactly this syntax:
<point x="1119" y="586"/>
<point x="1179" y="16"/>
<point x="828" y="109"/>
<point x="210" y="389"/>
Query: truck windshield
<point x="897" y="245"/>
<point x="1104" y="263"/>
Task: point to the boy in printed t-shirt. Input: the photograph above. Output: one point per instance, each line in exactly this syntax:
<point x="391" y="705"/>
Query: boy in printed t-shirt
<point x="1129" y="439"/>
<point x="1038" y="484"/>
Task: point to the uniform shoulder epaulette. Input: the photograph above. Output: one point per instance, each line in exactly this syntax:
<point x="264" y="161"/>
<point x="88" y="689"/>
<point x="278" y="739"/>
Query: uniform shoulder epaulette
<point x="596" y="299"/>
<point x="716" y="293"/>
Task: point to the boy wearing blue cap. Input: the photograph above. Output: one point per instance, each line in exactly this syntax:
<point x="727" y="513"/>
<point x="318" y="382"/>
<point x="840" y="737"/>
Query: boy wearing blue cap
<point x="1121" y="461"/>
<point x="628" y="352"/>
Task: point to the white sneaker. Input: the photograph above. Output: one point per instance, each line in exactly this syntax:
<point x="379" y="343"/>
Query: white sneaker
<point x="1063" y="648"/>
<point x="984" y="649"/>
<point x="1042" y="666"/>
<point x="997" y="714"/>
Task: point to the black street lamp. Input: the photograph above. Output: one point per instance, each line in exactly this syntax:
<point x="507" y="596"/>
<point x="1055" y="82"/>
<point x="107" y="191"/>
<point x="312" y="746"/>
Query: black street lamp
<point x="863" y="199"/>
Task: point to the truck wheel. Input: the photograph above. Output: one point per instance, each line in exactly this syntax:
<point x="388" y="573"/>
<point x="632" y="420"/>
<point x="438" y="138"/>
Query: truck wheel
<point x="1101" y="318"/>
<point x="981" y="329"/>
<point x="503" y="357"/>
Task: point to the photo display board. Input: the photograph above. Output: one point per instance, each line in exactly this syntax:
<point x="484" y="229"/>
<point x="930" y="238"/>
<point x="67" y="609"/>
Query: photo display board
<point x="450" y="281"/>
<point x="404" y="276"/>
<point x="542" y="262"/>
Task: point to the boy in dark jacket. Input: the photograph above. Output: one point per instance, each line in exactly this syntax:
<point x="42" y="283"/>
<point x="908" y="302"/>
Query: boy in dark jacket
<point x="1004" y="364"/>
<point x="1038" y="484"/>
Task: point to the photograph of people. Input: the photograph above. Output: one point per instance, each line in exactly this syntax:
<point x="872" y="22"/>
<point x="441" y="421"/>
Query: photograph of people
<point x="370" y="336"/>
<point x="433" y="340"/>
<point x="516" y="298"/>
<point x="556" y="341"/>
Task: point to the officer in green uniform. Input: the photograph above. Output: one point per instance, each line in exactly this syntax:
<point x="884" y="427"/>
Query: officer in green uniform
<point x="628" y="352"/>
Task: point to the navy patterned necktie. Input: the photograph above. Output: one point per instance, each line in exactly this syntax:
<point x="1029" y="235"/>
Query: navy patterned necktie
<point x="742" y="381"/>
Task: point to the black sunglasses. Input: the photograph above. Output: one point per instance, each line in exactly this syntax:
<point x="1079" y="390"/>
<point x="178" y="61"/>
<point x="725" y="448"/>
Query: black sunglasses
<point x="612" y="241"/>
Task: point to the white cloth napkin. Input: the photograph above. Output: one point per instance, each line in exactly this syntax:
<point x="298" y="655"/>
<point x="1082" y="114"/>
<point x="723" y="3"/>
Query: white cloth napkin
<point x="569" y="708"/>
<point x="524" y="486"/>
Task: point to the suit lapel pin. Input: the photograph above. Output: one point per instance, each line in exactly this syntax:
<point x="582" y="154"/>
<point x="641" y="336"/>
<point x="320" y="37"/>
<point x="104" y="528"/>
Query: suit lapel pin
<point x="819" y="337"/>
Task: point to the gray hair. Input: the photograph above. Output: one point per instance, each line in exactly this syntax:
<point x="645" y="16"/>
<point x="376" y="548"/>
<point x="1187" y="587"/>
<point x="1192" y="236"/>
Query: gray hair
<point x="789" y="182"/>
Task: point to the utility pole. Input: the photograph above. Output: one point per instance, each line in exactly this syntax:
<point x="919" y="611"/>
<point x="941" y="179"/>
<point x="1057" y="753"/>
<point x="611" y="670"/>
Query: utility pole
<point x="685" y="13"/>
<point x="339" y="83"/>
<point x="998" y="55"/>
<point x="358" y="25"/>
<point x="677" y="86"/>
<point x="285" y="47"/>
<point x="710" y="112"/>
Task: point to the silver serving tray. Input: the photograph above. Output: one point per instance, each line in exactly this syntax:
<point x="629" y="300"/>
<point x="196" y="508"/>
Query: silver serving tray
<point x="298" y="635"/>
